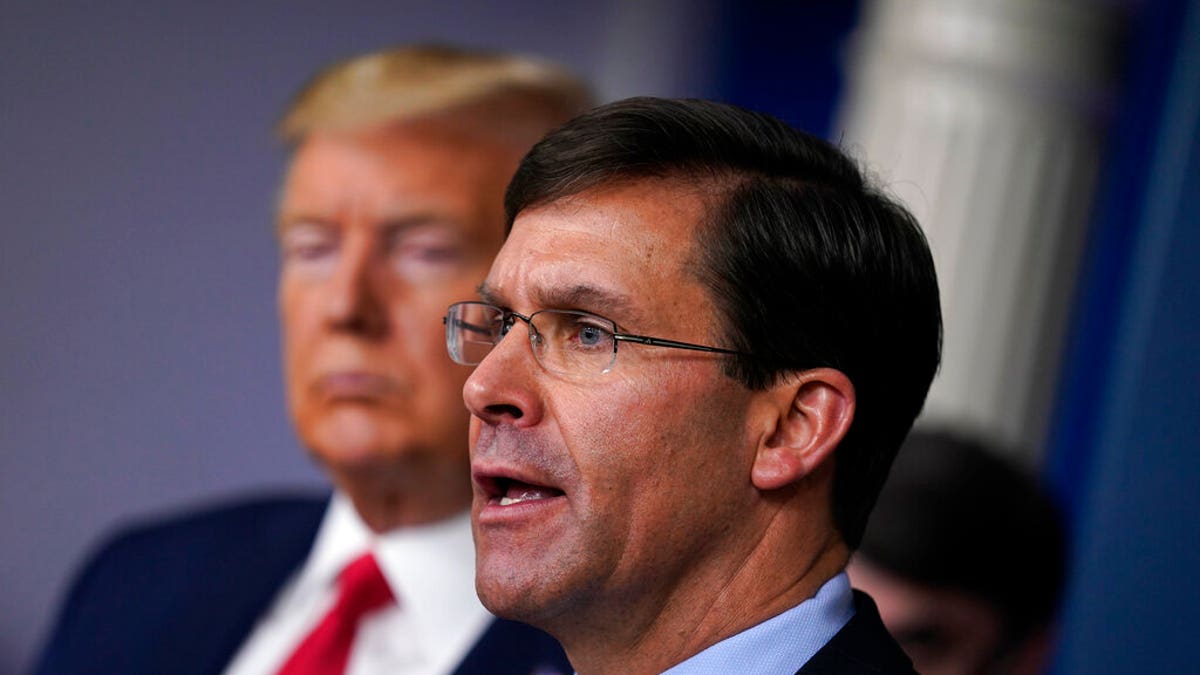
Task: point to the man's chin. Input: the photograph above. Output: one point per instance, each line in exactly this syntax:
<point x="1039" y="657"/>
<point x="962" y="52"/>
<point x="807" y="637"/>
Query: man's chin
<point x="519" y="583"/>
<point x="351" y="438"/>
<point x="508" y="598"/>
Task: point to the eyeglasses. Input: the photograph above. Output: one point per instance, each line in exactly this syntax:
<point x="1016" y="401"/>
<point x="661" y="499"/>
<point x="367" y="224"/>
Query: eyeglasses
<point x="564" y="341"/>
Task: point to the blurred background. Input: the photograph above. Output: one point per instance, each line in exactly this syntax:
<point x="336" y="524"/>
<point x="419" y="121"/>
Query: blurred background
<point x="1051" y="149"/>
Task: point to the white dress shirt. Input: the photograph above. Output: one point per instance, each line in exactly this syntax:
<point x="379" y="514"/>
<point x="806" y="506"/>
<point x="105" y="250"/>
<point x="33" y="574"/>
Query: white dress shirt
<point x="431" y="571"/>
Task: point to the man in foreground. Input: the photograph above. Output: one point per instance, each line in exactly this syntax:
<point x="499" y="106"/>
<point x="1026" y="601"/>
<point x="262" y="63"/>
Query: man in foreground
<point x="717" y="337"/>
<point x="390" y="209"/>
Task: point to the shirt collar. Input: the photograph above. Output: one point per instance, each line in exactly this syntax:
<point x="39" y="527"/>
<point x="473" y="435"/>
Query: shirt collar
<point x="341" y="538"/>
<point x="432" y="569"/>
<point x="783" y="643"/>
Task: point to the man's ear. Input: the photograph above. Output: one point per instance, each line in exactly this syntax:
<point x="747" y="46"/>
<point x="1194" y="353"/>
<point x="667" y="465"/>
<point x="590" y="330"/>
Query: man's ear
<point x="815" y="408"/>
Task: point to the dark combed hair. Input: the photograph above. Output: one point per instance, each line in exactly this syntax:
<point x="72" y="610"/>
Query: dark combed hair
<point x="809" y="265"/>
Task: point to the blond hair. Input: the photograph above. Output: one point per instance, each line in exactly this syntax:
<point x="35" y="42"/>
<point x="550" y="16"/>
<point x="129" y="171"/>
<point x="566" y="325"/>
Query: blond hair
<point x="402" y="83"/>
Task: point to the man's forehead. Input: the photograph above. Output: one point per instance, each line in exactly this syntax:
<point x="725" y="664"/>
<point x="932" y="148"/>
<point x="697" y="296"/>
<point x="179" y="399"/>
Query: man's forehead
<point x="637" y="219"/>
<point x="621" y="250"/>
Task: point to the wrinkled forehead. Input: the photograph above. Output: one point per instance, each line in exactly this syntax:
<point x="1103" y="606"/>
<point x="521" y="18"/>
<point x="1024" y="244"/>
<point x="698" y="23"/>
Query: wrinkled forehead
<point x="623" y="250"/>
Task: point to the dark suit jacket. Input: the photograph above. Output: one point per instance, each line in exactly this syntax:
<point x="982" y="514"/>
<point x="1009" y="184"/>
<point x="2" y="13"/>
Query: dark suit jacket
<point x="863" y="645"/>
<point x="180" y="596"/>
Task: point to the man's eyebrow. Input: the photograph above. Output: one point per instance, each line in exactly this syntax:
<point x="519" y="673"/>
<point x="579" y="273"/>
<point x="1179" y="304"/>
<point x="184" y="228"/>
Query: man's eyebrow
<point x="489" y="296"/>
<point x="399" y="223"/>
<point x="285" y="224"/>
<point x="605" y="302"/>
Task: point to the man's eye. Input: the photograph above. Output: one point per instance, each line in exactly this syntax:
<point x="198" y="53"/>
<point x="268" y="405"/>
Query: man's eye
<point x="429" y="254"/>
<point x="424" y="260"/>
<point x="430" y="250"/>
<point x="586" y="333"/>
<point x="307" y="244"/>
<point x="310" y="251"/>
<point x="592" y="335"/>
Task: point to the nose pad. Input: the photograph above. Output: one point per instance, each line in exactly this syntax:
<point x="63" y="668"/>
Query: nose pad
<point x="535" y="338"/>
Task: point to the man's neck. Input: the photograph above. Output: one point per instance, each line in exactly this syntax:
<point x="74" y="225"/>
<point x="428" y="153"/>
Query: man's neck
<point x="695" y="618"/>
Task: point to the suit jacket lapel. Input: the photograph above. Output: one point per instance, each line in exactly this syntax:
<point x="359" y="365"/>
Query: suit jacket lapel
<point x="239" y="582"/>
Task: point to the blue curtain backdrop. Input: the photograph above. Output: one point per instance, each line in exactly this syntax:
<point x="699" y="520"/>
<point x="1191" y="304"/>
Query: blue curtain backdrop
<point x="1124" y="453"/>
<point x="785" y="58"/>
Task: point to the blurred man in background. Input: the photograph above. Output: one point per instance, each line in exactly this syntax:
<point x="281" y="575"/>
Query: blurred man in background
<point x="391" y="208"/>
<point x="965" y="556"/>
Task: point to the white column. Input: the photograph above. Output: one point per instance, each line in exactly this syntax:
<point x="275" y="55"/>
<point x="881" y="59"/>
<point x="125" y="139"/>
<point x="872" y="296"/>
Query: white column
<point x="985" y="118"/>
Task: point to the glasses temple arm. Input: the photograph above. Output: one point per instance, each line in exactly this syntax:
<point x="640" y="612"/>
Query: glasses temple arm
<point x="661" y="342"/>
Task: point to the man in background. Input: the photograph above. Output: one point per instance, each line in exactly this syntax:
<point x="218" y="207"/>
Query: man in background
<point x="698" y="351"/>
<point x="965" y="555"/>
<point x="391" y="208"/>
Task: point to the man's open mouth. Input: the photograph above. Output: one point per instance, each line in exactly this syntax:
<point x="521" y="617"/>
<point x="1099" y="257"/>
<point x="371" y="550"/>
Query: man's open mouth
<point x="509" y="491"/>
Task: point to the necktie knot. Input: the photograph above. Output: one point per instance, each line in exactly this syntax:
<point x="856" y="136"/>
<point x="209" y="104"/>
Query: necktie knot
<point x="362" y="588"/>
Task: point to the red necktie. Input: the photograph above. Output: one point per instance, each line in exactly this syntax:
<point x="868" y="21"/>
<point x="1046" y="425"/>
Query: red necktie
<point x="326" y="651"/>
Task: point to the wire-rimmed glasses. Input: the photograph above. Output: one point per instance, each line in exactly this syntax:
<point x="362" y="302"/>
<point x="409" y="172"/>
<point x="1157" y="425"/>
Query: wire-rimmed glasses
<point x="564" y="341"/>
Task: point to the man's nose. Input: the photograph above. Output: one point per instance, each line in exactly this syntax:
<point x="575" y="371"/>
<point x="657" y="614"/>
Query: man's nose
<point x="354" y="301"/>
<point x="504" y="387"/>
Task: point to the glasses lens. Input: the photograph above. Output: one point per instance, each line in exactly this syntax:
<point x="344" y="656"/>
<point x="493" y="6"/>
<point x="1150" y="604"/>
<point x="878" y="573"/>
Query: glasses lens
<point x="472" y="329"/>
<point x="574" y="343"/>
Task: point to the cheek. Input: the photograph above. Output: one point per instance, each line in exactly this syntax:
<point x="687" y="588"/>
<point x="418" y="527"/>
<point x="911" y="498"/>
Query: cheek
<point x="418" y="344"/>
<point x="605" y="421"/>
<point x="473" y="433"/>
<point x="671" y="439"/>
<point x="439" y="396"/>
<point x="633" y="435"/>
<point x="416" y="314"/>
<point x="437" y="382"/>
<point x="296" y="331"/>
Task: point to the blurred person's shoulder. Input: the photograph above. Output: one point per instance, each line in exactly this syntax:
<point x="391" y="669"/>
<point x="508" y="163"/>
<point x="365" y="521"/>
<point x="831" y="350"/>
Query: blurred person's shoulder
<point x="247" y="527"/>
<point x="148" y="589"/>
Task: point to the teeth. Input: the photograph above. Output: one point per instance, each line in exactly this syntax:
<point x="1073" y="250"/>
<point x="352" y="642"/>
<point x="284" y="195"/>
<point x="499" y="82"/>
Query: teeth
<point x="528" y="495"/>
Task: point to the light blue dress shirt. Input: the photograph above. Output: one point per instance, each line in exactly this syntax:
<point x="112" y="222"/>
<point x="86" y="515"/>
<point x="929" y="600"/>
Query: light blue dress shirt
<point x="781" y="644"/>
